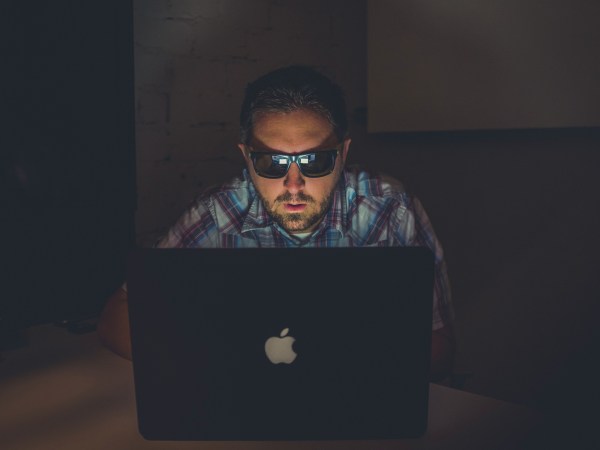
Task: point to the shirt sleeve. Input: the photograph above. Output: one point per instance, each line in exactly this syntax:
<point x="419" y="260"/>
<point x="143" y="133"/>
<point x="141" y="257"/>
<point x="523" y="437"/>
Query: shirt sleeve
<point x="195" y="228"/>
<point x="419" y="232"/>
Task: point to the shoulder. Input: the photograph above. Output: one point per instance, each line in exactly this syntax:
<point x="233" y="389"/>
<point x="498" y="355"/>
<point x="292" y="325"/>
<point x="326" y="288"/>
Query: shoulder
<point x="379" y="208"/>
<point x="379" y="186"/>
<point x="215" y="210"/>
<point x="235" y="191"/>
<point x="228" y="202"/>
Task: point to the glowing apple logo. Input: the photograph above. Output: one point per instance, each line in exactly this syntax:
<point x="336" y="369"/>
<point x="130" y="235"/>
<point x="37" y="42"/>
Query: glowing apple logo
<point x="279" y="349"/>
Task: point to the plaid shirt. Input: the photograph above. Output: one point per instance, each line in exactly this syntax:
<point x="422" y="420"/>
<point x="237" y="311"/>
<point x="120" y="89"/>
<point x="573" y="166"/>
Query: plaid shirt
<point x="366" y="211"/>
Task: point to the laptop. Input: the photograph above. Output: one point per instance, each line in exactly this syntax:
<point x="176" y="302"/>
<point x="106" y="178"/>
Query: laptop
<point x="281" y="344"/>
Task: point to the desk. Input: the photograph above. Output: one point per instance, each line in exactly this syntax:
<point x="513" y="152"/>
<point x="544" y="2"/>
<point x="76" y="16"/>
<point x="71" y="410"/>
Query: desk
<point x="65" y="391"/>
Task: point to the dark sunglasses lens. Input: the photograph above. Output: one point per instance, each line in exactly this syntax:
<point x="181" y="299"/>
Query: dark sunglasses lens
<point x="269" y="166"/>
<point x="317" y="164"/>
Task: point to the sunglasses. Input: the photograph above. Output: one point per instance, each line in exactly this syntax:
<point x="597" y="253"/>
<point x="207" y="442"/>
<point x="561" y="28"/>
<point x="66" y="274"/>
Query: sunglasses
<point x="311" y="164"/>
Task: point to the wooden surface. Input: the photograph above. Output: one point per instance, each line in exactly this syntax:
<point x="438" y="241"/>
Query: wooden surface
<point x="65" y="391"/>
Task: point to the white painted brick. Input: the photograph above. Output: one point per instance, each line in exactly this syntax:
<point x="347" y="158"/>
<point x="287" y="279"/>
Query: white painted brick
<point x="209" y="141"/>
<point x="193" y="60"/>
<point x="217" y="39"/>
<point x="186" y="9"/>
<point x="239" y="15"/>
<point x="152" y="142"/>
<point x="152" y="70"/>
<point x="198" y="108"/>
<point x="306" y="18"/>
<point x="169" y="36"/>
<point x="150" y="107"/>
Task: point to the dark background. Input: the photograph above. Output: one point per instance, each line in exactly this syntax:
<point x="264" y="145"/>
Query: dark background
<point x="516" y="210"/>
<point x="68" y="158"/>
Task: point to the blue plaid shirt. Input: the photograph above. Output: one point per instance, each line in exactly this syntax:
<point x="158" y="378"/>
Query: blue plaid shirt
<point x="366" y="211"/>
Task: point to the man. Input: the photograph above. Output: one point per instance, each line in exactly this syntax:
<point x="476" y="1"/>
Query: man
<point x="296" y="192"/>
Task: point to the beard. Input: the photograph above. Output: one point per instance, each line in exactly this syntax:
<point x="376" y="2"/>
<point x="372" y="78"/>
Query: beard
<point x="298" y="222"/>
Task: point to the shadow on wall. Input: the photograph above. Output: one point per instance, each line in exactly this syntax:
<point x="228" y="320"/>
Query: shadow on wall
<point x="517" y="214"/>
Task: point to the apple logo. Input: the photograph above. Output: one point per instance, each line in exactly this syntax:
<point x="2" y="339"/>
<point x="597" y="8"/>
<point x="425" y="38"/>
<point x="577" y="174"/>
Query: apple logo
<point x="279" y="349"/>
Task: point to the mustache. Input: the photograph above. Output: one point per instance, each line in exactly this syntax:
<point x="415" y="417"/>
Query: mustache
<point x="298" y="198"/>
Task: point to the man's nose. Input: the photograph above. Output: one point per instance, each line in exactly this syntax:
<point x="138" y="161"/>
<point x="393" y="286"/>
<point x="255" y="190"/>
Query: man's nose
<point x="294" y="181"/>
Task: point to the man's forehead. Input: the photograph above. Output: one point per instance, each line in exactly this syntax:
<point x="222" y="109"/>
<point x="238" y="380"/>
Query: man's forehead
<point x="259" y="145"/>
<point x="292" y="132"/>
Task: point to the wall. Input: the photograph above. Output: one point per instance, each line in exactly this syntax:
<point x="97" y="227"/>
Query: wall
<point x="515" y="210"/>
<point x="518" y="214"/>
<point x="473" y="65"/>
<point x="193" y="60"/>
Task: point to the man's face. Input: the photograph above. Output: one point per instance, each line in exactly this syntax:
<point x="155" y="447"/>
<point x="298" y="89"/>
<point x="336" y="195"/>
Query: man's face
<point x="298" y="203"/>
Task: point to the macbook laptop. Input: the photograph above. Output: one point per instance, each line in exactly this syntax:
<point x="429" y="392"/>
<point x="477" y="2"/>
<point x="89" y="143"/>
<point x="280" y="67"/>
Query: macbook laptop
<point x="281" y="344"/>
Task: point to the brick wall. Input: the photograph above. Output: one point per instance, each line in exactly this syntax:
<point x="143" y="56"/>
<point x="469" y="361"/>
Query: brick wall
<point x="193" y="60"/>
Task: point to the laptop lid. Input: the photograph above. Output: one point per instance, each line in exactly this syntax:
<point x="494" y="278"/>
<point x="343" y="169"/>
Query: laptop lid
<point x="281" y="344"/>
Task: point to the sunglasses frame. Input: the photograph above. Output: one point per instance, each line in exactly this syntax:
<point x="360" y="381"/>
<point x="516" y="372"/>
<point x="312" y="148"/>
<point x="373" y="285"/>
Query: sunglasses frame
<point x="295" y="159"/>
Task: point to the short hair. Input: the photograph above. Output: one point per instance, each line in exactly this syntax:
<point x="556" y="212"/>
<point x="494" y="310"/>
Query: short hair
<point x="290" y="89"/>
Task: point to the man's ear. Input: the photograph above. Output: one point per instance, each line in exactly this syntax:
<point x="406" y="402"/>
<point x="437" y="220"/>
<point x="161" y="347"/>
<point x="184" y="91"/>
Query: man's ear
<point x="345" y="149"/>
<point x="242" y="148"/>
